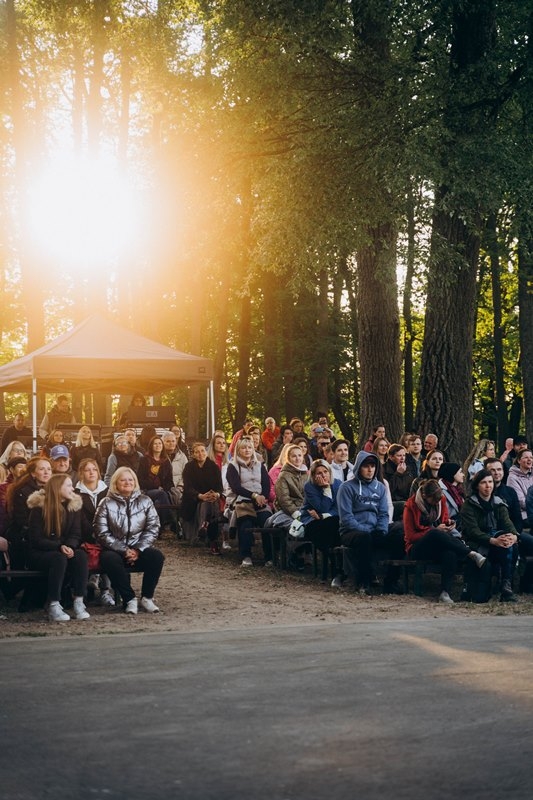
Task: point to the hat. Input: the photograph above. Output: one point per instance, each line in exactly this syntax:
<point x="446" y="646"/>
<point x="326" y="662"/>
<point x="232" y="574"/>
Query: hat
<point x="448" y="470"/>
<point x="59" y="451"/>
<point x="16" y="460"/>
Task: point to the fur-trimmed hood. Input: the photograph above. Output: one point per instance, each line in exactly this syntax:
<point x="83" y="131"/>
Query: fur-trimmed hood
<point x="36" y="500"/>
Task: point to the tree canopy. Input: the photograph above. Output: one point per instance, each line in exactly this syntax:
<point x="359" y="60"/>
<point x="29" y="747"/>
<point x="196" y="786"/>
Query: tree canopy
<point x="330" y="198"/>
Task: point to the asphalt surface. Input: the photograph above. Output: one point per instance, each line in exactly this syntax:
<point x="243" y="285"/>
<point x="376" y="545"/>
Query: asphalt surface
<point x="415" y="709"/>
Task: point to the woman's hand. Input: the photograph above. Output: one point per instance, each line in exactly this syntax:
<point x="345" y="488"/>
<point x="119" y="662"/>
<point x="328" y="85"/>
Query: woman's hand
<point x="209" y="497"/>
<point x="67" y="551"/>
<point x="505" y="540"/>
<point x="314" y="514"/>
<point x="260" y="500"/>
<point x="131" y="556"/>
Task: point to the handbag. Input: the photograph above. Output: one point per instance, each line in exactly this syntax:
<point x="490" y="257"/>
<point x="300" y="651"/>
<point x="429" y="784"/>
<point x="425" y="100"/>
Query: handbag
<point x="245" y="508"/>
<point x="93" y="555"/>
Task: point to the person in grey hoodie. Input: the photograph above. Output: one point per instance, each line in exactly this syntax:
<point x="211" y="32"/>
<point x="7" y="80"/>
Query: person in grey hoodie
<point x="364" y="516"/>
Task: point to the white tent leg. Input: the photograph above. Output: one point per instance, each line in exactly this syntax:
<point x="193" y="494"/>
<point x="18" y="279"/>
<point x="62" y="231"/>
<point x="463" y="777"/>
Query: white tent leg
<point x="34" y="412"/>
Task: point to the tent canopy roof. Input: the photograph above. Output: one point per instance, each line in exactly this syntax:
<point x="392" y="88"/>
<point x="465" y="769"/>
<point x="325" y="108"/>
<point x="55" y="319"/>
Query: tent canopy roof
<point x="99" y="356"/>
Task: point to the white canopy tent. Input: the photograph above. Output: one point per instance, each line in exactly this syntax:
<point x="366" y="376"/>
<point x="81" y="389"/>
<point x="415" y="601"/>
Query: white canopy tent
<point x="100" y="356"/>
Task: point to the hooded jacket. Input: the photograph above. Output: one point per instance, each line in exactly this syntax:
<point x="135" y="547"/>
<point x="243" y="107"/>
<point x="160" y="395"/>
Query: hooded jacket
<point x="70" y="533"/>
<point x="126" y="522"/>
<point x="363" y="504"/>
<point x="520" y="482"/>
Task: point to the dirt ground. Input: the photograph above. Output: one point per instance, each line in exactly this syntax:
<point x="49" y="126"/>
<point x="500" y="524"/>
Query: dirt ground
<point x="201" y="592"/>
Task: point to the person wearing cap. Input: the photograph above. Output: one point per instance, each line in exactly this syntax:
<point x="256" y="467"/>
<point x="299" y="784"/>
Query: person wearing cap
<point x="60" y="458"/>
<point x="363" y="516"/>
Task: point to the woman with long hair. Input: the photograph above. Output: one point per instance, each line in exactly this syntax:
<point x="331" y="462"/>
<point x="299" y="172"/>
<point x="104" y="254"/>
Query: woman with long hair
<point x="155" y="477"/>
<point x="217" y="451"/>
<point x="54" y="544"/>
<point x="15" y="449"/>
<point x="320" y="515"/>
<point x="55" y="437"/>
<point x="85" y="447"/>
<point x="91" y="488"/>
<point x="202" y="493"/>
<point x="430" y="469"/>
<point x="475" y="461"/>
<point x="249" y="491"/>
<point x="126" y="525"/>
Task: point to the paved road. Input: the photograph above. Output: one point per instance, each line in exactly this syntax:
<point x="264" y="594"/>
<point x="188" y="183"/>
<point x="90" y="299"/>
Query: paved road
<point x="421" y="710"/>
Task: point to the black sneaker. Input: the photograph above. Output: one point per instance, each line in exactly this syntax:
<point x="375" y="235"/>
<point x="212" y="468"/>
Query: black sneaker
<point x="507" y="595"/>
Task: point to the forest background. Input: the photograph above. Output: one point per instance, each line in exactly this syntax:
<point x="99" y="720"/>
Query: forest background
<point x="329" y="198"/>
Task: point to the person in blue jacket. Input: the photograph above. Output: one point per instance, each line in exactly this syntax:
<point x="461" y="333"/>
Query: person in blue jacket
<point x="363" y="516"/>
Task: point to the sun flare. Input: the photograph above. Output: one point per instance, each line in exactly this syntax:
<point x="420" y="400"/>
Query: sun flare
<point x="84" y="212"/>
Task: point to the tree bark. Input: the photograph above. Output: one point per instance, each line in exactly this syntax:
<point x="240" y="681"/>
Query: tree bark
<point x="379" y="334"/>
<point x="525" y="301"/>
<point x="445" y="397"/>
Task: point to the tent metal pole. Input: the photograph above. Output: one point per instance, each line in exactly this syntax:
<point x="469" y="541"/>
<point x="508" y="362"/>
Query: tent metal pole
<point x="211" y="405"/>
<point x="34" y="412"/>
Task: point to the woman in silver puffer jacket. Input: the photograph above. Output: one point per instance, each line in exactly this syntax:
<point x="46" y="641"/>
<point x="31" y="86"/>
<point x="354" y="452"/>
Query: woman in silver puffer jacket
<point x="126" y="524"/>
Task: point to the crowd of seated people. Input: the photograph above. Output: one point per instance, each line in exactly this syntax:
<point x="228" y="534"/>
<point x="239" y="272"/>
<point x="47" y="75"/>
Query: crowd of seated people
<point x="388" y="501"/>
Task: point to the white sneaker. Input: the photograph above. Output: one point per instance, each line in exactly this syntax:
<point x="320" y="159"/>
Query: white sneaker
<point x="80" y="612"/>
<point x="148" y="604"/>
<point x="269" y="563"/>
<point x="226" y="546"/>
<point x="247" y="562"/>
<point x="477" y="558"/>
<point x="106" y="598"/>
<point x="445" y="598"/>
<point x="336" y="583"/>
<point x="56" y="613"/>
<point x="131" y="606"/>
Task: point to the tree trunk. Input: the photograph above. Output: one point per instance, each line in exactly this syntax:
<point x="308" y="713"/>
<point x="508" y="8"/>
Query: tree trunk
<point x="379" y="334"/>
<point x="445" y="388"/>
<point x="408" y="385"/>
<point x="499" y="365"/>
<point x="525" y="300"/>
<point x="445" y="398"/>
<point x="32" y="296"/>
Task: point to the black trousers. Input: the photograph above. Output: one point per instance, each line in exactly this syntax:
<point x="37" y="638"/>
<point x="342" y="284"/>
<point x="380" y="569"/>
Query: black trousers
<point x="61" y="568"/>
<point x="444" y="549"/>
<point x="150" y="563"/>
<point x="366" y="545"/>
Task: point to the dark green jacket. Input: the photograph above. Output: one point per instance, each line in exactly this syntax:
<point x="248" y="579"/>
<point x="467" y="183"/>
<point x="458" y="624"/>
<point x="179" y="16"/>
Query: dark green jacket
<point x="476" y="529"/>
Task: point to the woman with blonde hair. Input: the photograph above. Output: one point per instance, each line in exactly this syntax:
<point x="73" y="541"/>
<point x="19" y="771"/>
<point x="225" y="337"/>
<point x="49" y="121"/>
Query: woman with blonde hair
<point x="14" y="449"/>
<point x="85" y="447"/>
<point x="475" y="461"/>
<point x="54" y="544"/>
<point x="126" y="524"/>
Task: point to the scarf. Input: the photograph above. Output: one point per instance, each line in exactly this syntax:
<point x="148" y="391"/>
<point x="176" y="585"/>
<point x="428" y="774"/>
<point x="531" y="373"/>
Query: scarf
<point x="430" y="515"/>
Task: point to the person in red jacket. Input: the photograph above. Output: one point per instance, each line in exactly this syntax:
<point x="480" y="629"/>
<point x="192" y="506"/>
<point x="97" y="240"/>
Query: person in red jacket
<point x="431" y="536"/>
<point x="269" y="436"/>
